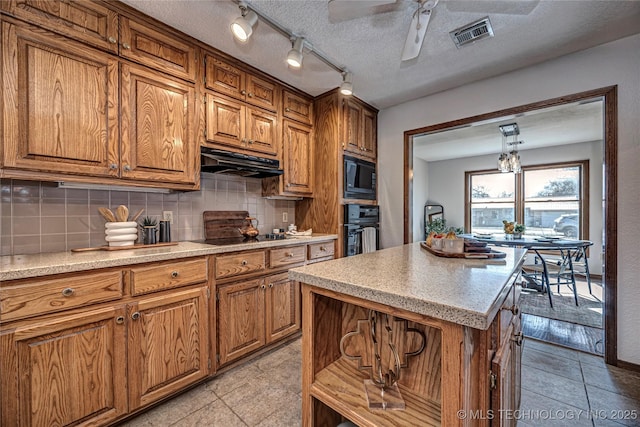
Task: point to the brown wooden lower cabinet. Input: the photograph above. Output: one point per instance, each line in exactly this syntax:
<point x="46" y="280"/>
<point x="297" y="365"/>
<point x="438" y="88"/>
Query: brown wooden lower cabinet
<point x="65" y="371"/>
<point x="254" y="313"/>
<point x="168" y="344"/>
<point x="240" y="319"/>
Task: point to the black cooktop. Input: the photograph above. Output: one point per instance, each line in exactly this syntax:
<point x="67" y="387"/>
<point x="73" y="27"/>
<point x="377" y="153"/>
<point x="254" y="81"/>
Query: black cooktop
<point x="241" y="239"/>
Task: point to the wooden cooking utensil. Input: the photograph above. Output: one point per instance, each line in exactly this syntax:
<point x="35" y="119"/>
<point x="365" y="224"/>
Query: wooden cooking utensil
<point x="107" y="214"/>
<point x="137" y="214"/>
<point x="122" y="213"/>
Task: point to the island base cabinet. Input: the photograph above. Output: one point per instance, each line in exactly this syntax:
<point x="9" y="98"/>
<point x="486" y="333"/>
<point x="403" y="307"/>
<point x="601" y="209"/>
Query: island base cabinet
<point x="452" y="373"/>
<point x="65" y="371"/>
<point x="168" y="344"/>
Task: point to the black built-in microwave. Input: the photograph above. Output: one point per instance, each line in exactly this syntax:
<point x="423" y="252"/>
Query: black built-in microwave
<point x="359" y="179"/>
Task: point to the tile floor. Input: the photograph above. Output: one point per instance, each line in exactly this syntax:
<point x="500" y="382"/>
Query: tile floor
<point x="560" y="387"/>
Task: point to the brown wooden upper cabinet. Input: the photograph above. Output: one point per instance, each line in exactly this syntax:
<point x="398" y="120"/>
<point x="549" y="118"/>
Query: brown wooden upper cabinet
<point x="296" y="107"/>
<point x="297" y="179"/>
<point x="62" y="102"/>
<point x="359" y="128"/>
<point x="159" y="50"/>
<point x="157" y="127"/>
<point x="228" y="79"/>
<point x="240" y="127"/>
<point x="90" y="22"/>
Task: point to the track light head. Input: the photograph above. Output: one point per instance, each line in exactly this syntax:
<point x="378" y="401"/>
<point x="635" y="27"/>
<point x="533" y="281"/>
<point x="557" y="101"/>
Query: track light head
<point x="294" y="57"/>
<point x="346" y="88"/>
<point x="242" y="26"/>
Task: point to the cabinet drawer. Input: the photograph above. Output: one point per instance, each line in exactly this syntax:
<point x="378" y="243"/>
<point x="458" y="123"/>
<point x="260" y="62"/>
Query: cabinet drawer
<point x="239" y="263"/>
<point x="321" y="250"/>
<point x="50" y="295"/>
<point x="285" y="256"/>
<point x="167" y="275"/>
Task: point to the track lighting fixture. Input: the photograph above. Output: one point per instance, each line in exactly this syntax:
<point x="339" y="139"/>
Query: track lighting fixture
<point x="242" y="26"/>
<point x="346" y="88"/>
<point x="294" y="57"/>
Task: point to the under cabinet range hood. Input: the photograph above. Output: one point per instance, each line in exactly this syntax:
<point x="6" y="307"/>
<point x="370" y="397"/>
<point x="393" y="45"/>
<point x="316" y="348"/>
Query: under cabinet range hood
<point x="220" y="161"/>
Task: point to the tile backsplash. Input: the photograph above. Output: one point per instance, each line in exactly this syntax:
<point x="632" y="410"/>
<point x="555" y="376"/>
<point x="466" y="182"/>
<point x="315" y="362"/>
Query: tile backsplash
<point x="39" y="217"/>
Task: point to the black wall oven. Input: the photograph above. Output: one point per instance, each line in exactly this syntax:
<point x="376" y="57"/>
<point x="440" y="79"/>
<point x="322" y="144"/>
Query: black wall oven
<point x="356" y="219"/>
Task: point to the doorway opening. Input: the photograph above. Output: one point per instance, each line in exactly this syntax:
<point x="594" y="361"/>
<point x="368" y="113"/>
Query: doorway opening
<point x="552" y="113"/>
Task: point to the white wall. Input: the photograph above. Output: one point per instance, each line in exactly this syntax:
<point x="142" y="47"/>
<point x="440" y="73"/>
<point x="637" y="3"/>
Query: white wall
<point x="445" y="185"/>
<point x="420" y="196"/>
<point x="615" y="63"/>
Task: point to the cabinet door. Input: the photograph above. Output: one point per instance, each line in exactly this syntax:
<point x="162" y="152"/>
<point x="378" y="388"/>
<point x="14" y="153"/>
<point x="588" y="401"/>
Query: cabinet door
<point x="156" y="49"/>
<point x="60" y="104"/>
<point x="298" y="158"/>
<point x="86" y="21"/>
<point x="261" y="132"/>
<point x="506" y="368"/>
<point x="158" y="119"/>
<point x="223" y="77"/>
<point x="168" y="344"/>
<point x="352" y="126"/>
<point x="65" y="371"/>
<point x="240" y="319"/>
<point x="262" y="93"/>
<point x="225" y="121"/>
<point x="282" y="306"/>
<point x="369" y="133"/>
<point x="296" y="107"/>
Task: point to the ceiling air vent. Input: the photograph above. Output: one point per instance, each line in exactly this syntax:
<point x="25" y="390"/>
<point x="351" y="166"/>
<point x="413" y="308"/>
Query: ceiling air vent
<point x="472" y="32"/>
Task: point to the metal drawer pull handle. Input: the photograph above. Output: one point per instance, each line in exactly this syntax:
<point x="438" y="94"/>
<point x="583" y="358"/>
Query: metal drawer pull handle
<point x="271" y="285"/>
<point x="263" y="287"/>
<point x="174" y="274"/>
<point x="112" y="40"/>
<point x="518" y="338"/>
<point x="126" y="45"/>
<point x="250" y="95"/>
<point x="322" y="248"/>
<point x="127" y="168"/>
<point x="67" y="292"/>
<point x="514" y="309"/>
<point x="113" y="166"/>
<point x="244" y="262"/>
<point x="290" y="254"/>
<point x="136" y="315"/>
<point x="120" y="320"/>
<point x="287" y="109"/>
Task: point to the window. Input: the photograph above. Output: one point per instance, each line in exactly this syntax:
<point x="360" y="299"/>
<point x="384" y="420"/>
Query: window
<point x="550" y="200"/>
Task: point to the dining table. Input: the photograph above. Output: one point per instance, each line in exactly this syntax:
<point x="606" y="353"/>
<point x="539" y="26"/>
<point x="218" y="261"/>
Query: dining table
<point x="536" y="276"/>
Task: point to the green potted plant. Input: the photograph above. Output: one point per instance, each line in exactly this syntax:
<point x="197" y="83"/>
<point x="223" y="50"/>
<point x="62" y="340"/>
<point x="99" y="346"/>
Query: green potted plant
<point x="518" y="229"/>
<point x="149" y="229"/>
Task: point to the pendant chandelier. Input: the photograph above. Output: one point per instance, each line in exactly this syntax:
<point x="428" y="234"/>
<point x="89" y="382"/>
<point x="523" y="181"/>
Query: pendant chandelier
<point x="509" y="161"/>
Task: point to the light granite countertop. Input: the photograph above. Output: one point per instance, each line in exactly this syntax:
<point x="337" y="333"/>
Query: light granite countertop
<point x="35" y="265"/>
<point x="462" y="291"/>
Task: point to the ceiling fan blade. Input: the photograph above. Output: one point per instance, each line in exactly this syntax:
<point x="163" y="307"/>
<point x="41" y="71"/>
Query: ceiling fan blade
<point x="343" y="10"/>
<point x="417" y="31"/>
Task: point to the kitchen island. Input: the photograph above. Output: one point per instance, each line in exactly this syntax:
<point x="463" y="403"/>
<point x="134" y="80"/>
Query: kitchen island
<point x="453" y="324"/>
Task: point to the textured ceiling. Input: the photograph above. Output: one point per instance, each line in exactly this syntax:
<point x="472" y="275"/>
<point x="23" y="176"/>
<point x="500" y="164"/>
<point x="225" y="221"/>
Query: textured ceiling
<point x="370" y="46"/>
<point x="560" y="125"/>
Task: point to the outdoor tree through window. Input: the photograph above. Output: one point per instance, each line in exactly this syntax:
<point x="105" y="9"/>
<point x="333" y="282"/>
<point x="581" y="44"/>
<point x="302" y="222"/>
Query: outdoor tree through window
<point x="548" y="199"/>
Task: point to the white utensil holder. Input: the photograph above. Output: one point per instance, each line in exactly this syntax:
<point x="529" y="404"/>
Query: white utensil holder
<point x="121" y="233"/>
